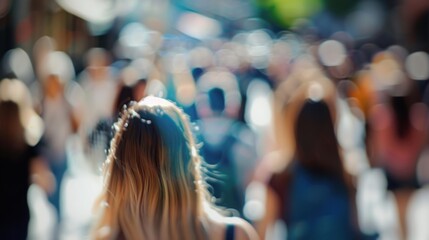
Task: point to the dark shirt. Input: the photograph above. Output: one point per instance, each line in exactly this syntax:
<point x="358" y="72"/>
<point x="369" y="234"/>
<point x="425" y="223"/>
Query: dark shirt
<point x="14" y="184"/>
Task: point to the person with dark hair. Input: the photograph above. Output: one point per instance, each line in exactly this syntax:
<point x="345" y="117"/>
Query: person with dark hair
<point x="315" y="199"/>
<point x="228" y="151"/>
<point x="311" y="194"/>
<point x="128" y="93"/>
<point x="398" y="128"/>
<point x="217" y="99"/>
<point x="20" y="162"/>
<point x="217" y="152"/>
<point x="101" y="135"/>
<point x="314" y="122"/>
<point x="15" y="158"/>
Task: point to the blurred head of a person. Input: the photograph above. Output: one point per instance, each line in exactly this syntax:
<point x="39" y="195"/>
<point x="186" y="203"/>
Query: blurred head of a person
<point x="128" y="93"/>
<point x="401" y="111"/>
<point x="41" y="50"/>
<point x="97" y="62"/>
<point x="153" y="182"/>
<point x="139" y="89"/>
<point x="316" y="143"/>
<point x="58" y="71"/>
<point x="305" y="82"/>
<point x="218" y="95"/>
<point x="53" y="87"/>
<point x="398" y="126"/>
<point x="399" y="93"/>
<point x="11" y="129"/>
<point x="216" y="100"/>
<point x="19" y="124"/>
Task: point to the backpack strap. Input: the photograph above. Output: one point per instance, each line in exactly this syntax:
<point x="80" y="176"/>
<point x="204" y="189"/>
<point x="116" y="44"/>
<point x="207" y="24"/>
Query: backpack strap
<point x="230" y="232"/>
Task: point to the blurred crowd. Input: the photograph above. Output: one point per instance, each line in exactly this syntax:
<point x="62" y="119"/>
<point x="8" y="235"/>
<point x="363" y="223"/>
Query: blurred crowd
<point x="305" y="136"/>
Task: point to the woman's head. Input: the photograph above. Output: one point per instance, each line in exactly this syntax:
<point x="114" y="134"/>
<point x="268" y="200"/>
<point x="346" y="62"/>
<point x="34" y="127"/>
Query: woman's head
<point x="11" y="129"/>
<point x="153" y="181"/>
<point x="289" y="99"/>
<point x="128" y="93"/>
<point x="19" y="123"/>
<point x="408" y="112"/>
<point x="316" y="142"/>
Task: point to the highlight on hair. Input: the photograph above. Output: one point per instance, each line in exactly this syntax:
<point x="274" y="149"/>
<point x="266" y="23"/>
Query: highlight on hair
<point x="153" y="185"/>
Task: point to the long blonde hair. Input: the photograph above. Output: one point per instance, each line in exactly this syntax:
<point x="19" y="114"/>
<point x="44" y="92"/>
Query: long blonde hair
<point x="153" y="184"/>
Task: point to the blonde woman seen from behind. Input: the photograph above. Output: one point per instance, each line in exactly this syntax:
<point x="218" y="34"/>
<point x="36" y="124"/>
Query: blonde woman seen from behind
<point x="153" y="183"/>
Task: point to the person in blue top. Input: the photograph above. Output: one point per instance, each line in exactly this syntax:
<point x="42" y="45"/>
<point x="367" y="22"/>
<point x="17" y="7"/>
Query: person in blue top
<point x="313" y="195"/>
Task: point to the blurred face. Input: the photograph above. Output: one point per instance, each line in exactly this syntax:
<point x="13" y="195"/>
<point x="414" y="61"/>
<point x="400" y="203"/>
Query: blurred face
<point x="53" y="87"/>
<point x="139" y="91"/>
<point x="97" y="66"/>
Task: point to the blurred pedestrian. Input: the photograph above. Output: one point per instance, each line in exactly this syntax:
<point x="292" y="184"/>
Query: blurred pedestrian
<point x="60" y="117"/>
<point x="20" y="160"/>
<point x="313" y="195"/>
<point x="154" y="188"/>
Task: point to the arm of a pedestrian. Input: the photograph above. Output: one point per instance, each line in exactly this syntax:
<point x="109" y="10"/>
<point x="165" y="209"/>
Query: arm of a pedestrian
<point x="42" y="175"/>
<point x="245" y="231"/>
<point x="270" y="214"/>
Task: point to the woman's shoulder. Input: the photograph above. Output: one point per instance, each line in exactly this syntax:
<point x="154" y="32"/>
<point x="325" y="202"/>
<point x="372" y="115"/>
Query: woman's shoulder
<point x="236" y="227"/>
<point x="242" y="229"/>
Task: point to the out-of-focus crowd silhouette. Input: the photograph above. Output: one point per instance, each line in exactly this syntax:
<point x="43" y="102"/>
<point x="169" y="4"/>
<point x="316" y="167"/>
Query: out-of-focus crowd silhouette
<point x="317" y="132"/>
